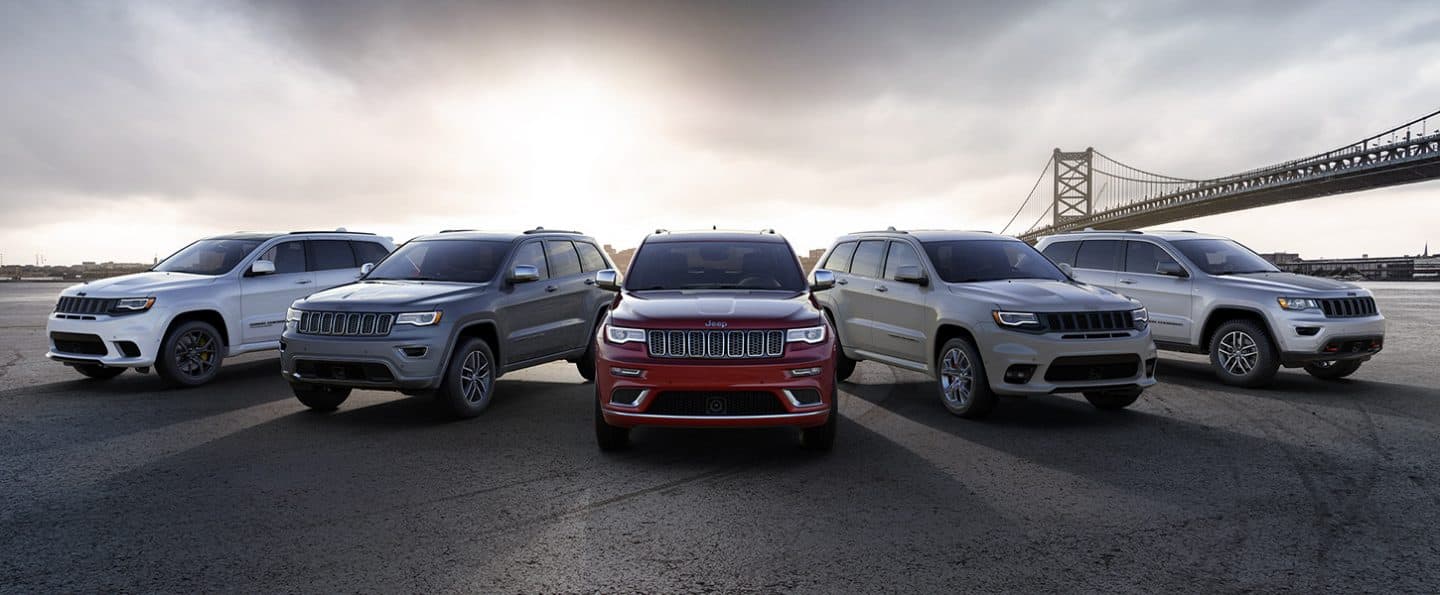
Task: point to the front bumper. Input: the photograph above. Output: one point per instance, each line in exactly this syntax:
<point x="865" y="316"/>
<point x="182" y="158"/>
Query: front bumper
<point x="1000" y="349"/>
<point x="365" y="362"/>
<point x="141" y="333"/>
<point x="1309" y="336"/>
<point x="771" y="376"/>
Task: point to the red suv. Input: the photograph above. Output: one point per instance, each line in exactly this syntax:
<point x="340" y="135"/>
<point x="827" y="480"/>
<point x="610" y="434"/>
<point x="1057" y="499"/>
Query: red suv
<point x="715" y="329"/>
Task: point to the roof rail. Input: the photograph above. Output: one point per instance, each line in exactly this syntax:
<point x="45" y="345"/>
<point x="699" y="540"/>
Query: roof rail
<point x="1178" y="230"/>
<point x="890" y="229"/>
<point x="543" y="230"/>
<point x="1093" y="230"/>
<point x="454" y="230"/>
<point x="768" y="230"/>
<point x="341" y="230"/>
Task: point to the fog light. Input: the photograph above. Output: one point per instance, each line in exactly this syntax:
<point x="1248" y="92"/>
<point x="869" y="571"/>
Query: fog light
<point x="414" y="351"/>
<point x="1150" y="367"/>
<point x="627" y="372"/>
<point x="629" y="397"/>
<point x="803" y="397"/>
<point x="803" y="372"/>
<point x="1019" y="373"/>
<point x="1307" y="331"/>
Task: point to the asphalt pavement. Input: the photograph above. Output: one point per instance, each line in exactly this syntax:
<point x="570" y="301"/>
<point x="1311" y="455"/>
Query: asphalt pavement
<point x="125" y="485"/>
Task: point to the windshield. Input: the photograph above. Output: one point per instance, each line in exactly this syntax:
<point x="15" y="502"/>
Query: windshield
<point x="469" y="261"/>
<point x="1223" y="257"/>
<point x="716" y="265"/>
<point x="966" y="261"/>
<point x="208" y="257"/>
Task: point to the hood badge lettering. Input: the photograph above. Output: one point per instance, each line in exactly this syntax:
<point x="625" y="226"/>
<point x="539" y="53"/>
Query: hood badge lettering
<point x="716" y="324"/>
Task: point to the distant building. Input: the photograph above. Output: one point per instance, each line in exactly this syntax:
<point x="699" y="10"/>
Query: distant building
<point x="621" y="258"/>
<point x="808" y="262"/>
<point x="1385" y="268"/>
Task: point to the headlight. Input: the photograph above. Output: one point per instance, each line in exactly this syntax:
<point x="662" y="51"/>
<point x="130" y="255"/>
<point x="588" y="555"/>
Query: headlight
<point x="1289" y="303"/>
<point x="132" y="305"/>
<point x="622" y="335"/>
<point x="1017" y="319"/>
<point x="809" y="334"/>
<point x="292" y="315"/>
<point x="418" y="318"/>
<point x="1141" y="318"/>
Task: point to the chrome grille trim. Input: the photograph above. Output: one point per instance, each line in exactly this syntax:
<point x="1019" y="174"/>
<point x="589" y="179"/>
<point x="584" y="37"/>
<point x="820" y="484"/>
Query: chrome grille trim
<point x="710" y="344"/>
<point x="1348" y="307"/>
<point x="345" y="324"/>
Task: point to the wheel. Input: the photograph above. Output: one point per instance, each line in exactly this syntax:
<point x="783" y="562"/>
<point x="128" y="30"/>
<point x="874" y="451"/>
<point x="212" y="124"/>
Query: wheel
<point x="1113" y="399"/>
<point x="97" y="371"/>
<point x="586" y="364"/>
<point x="1243" y="354"/>
<point x="1333" y="370"/>
<point x="844" y="366"/>
<point x="822" y="438"/>
<point x="608" y="437"/>
<point x="190" y="355"/>
<point x="963" y="387"/>
<point x="320" y="397"/>
<point x="469" y="380"/>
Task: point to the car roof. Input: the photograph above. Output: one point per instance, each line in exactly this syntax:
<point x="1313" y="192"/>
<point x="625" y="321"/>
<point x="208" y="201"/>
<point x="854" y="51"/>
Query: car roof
<point x="1119" y="234"/>
<point x="267" y="235"/>
<point x="501" y="236"/>
<point x="711" y="235"/>
<point x="927" y="235"/>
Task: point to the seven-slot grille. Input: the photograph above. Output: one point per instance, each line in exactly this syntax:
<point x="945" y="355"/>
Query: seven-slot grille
<point x="715" y="344"/>
<point x="1348" y="307"/>
<point x="348" y="324"/>
<point x="1120" y="320"/>
<point x="83" y="305"/>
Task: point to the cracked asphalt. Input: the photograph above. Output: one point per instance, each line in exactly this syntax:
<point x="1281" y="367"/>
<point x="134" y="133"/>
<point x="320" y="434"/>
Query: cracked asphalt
<point x="1309" y="486"/>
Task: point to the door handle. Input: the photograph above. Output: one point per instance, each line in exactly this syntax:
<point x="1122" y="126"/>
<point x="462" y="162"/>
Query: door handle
<point x="882" y="288"/>
<point x="1128" y="281"/>
<point x="841" y="282"/>
<point x="302" y="282"/>
<point x="589" y="281"/>
<point x="551" y="288"/>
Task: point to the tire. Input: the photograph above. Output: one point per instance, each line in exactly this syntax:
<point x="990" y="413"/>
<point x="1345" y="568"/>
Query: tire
<point x="190" y="355"/>
<point x="1243" y="354"/>
<point x="586" y="364"/>
<point x="469" y="382"/>
<point x="320" y="397"/>
<point x="1110" y="400"/>
<point x="609" y="438"/>
<point x="98" y="372"/>
<point x="957" y="368"/>
<point x="822" y="438"/>
<point x="844" y="366"/>
<point x="1332" y="370"/>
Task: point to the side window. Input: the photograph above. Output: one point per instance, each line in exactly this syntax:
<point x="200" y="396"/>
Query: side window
<point x="839" y="259"/>
<point x="328" y="255"/>
<point x="867" y="259"/>
<point x="590" y="257"/>
<point x="563" y="259"/>
<point x="368" y="252"/>
<point x="1144" y="257"/>
<point x="1098" y="254"/>
<point x="289" y="257"/>
<point x="901" y="254"/>
<point x="533" y="254"/>
<point x="1062" y="252"/>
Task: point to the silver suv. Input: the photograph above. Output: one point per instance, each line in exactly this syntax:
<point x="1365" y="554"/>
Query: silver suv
<point x="1209" y="294"/>
<point x="984" y="315"/>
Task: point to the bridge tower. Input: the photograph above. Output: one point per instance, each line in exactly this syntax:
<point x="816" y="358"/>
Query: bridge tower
<point x="1072" y="185"/>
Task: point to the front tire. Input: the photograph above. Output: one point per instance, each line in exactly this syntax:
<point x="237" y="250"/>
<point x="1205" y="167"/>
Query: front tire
<point x="961" y="381"/>
<point x="1111" y="400"/>
<point x="469" y="381"/>
<point x="1243" y="354"/>
<point x="586" y="364"/>
<point x="190" y="355"/>
<point x="320" y="397"/>
<point x="1331" y="369"/>
<point x="844" y="366"/>
<point x="98" y="372"/>
<point x="822" y="437"/>
<point x="609" y="438"/>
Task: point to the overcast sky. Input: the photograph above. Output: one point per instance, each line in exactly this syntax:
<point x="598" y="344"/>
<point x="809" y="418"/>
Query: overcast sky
<point x="130" y="128"/>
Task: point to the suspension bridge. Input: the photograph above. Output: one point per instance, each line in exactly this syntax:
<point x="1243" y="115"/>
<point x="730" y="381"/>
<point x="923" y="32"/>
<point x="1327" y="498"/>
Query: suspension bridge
<point x="1089" y="189"/>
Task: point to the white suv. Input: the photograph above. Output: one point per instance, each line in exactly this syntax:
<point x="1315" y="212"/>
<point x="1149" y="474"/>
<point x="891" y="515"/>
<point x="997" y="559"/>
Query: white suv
<point x="215" y="298"/>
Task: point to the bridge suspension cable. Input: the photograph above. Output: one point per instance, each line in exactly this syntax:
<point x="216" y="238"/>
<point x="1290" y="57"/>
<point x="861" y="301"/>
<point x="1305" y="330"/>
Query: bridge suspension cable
<point x="1044" y="171"/>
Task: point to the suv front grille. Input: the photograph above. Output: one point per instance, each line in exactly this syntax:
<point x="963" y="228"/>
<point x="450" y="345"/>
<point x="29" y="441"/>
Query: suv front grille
<point x="1119" y="320"/>
<point x="345" y="324"/>
<point x="715" y="344"/>
<point x="1348" y="307"/>
<point x="715" y="403"/>
<point x="84" y="305"/>
<point x="82" y="344"/>
<point x="1092" y="367"/>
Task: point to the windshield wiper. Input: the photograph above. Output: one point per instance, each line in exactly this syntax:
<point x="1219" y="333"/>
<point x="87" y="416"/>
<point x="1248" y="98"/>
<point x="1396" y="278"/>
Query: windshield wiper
<point x="1240" y="272"/>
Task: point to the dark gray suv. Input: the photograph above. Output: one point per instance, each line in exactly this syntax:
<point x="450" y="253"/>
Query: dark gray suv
<point x="446" y="315"/>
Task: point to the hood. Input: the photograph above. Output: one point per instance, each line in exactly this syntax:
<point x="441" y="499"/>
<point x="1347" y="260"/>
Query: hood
<point x="1280" y="283"/>
<point x="715" y="310"/>
<point x="1043" y="295"/>
<point x="384" y="296"/>
<point x="138" y="285"/>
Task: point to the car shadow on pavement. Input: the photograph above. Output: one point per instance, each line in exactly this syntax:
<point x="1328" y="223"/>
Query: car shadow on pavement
<point x="132" y="382"/>
<point x="1297" y="387"/>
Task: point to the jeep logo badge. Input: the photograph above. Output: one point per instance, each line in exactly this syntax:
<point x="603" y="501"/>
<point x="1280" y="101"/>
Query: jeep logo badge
<point x="716" y="324"/>
<point x="715" y="405"/>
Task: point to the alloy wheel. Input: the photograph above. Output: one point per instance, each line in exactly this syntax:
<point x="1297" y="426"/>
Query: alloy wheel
<point x="195" y="353"/>
<point x="957" y="377"/>
<point x="475" y="377"/>
<point x="1238" y="353"/>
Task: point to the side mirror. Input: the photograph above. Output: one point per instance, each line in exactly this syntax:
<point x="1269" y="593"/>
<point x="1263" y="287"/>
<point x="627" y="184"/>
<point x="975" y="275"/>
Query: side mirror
<point x="910" y="273"/>
<point x="1068" y="270"/>
<point x="261" y="267"/>
<point x="1170" y="268"/>
<point x="366" y="268"/>
<point x="608" y="279"/>
<point x="524" y="273"/>
<point x="823" y="280"/>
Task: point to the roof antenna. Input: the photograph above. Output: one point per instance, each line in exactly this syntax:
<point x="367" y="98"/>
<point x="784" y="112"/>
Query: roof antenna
<point x="714" y="228"/>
